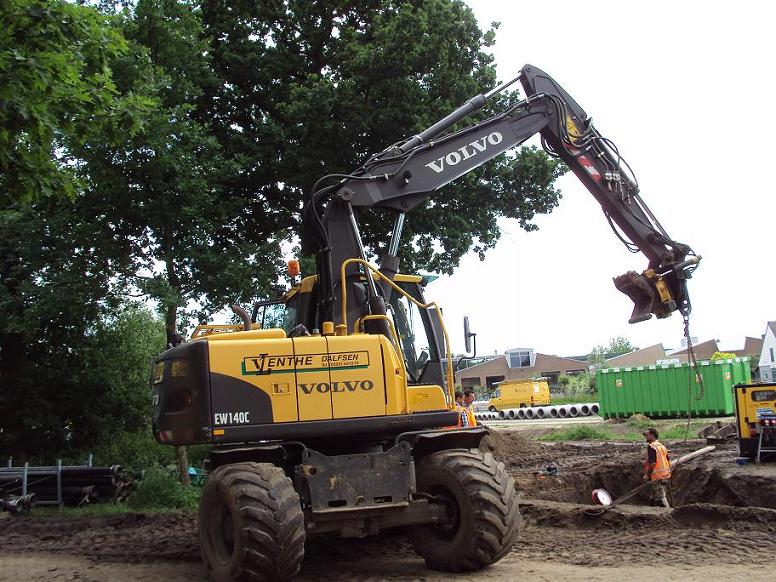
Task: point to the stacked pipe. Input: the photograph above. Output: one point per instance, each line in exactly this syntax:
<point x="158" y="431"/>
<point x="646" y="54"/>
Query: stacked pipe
<point x="489" y="415"/>
<point x="68" y="485"/>
<point x="17" y="504"/>
<point x="545" y="412"/>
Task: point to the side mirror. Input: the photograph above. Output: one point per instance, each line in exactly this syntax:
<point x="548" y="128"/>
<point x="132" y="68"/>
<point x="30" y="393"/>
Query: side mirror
<point x="467" y="337"/>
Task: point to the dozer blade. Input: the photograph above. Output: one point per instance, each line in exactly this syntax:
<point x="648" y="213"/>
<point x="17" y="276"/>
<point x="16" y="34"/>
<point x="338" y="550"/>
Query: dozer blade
<point x="640" y="291"/>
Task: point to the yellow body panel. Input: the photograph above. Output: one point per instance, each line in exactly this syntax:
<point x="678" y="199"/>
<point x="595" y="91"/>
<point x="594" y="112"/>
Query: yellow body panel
<point x="312" y="378"/>
<point x="357" y="379"/>
<point x="247" y="360"/>
<point x="271" y="333"/>
<point x="519" y="393"/>
<point x="320" y="377"/>
<point x="425" y="398"/>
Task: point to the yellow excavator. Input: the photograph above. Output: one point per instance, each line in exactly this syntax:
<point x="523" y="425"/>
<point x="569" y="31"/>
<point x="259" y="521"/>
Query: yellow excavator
<point x="336" y="421"/>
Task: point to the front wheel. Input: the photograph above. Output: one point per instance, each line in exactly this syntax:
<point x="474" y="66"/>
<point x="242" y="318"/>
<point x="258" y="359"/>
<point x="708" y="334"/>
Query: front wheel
<point x="251" y="525"/>
<point x="484" y="519"/>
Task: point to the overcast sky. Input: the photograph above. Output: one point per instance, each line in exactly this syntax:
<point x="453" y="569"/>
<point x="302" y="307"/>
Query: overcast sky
<point x="685" y="90"/>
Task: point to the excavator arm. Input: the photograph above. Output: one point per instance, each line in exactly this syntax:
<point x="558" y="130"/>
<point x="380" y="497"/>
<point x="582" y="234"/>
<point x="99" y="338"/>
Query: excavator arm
<point x="405" y="174"/>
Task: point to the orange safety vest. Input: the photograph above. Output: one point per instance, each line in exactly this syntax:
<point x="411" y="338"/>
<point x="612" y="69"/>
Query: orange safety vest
<point x="461" y="410"/>
<point x="470" y="413"/>
<point x="662" y="469"/>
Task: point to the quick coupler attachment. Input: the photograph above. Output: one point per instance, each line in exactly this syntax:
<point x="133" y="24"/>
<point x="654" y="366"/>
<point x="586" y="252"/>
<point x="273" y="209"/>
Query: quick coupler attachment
<point x="650" y="293"/>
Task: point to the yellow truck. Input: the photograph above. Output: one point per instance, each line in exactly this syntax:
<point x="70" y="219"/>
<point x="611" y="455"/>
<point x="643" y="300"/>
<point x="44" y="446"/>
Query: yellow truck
<point x="520" y="394"/>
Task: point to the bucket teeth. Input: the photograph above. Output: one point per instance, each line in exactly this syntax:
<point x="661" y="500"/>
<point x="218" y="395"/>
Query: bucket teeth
<point x="641" y="293"/>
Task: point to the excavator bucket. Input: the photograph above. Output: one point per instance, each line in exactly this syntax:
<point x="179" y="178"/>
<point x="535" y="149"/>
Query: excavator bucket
<point x="638" y="288"/>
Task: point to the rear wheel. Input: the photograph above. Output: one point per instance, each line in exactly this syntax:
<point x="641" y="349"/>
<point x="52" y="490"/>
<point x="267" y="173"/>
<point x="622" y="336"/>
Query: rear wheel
<point x="251" y="525"/>
<point x="483" y="511"/>
<point x="492" y="409"/>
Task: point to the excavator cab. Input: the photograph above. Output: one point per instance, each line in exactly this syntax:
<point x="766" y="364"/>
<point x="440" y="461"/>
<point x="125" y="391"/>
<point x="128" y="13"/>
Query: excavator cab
<point x="420" y="332"/>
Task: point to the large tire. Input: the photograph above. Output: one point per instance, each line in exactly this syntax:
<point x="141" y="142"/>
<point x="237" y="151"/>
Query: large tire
<point x="492" y="409"/>
<point x="251" y="525"/>
<point x="485" y="519"/>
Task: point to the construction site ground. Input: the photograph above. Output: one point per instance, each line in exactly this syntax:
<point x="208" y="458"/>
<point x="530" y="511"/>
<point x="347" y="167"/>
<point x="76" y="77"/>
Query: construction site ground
<point x="722" y="527"/>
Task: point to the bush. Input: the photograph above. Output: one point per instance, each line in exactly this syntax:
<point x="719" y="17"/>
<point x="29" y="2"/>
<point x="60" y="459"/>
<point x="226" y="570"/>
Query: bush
<point x="135" y="451"/>
<point x="160" y="489"/>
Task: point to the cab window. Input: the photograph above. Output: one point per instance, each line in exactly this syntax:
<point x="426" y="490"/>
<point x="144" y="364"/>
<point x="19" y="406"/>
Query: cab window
<point x="411" y="329"/>
<point x="763" y="395"/>
<point x="271" y="314"/>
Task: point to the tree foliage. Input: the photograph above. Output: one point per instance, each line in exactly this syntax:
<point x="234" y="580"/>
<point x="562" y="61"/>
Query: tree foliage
<point x="161" y="188"/>
<point x="165" y="151"/>
<point x="309" y="89"/>
<point x="617" y="346"/>
<point x="56" y="90"/>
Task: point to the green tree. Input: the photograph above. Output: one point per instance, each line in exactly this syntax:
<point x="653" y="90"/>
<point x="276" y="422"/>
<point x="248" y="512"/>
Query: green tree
<point x="621" y="345"/>
<point x="160" y="189"/>
<point x="617" y="346"/>
<point x="72" y="369"/>
<point x="307" y="89"/>
<point x="56" y="90"/>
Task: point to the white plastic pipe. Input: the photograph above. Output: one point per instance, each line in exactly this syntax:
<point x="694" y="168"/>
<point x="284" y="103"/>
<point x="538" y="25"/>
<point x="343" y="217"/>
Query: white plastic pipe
<point x="573" y="410"/>
<point x="594" y="408"/>
<point x="584" y="409"/>
<point x="541" y="412"/>
<point x="552" y="411"/>
<point x="502" y="413"/>
<point x="563" y="411"/>
<point x="529" y="412"/>
<point x="521" y="413"/>
<point x="511" y="414"/>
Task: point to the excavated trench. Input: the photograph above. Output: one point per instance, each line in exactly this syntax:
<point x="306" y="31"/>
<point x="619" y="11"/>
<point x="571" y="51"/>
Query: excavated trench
<point x="695" y="482"/>
<point x="711" y="492"/>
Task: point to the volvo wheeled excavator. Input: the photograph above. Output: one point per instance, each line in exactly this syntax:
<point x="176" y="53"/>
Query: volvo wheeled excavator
<point x="337" y="421"/>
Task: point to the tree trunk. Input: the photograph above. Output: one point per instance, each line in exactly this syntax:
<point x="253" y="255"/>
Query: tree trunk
<point x="173" y="339"/>
<point x="182" y="458"/>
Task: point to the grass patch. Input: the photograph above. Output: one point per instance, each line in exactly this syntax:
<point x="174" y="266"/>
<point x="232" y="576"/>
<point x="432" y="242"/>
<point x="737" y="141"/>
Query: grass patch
<point x="160" y="490"/>
<point x="579" y="433"/>
<point x="668" y="432"/>
<point x="90" y="510"/>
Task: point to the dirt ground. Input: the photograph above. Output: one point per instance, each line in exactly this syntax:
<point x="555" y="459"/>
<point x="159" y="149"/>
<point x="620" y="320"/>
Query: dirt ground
<point x="723" y="526"/>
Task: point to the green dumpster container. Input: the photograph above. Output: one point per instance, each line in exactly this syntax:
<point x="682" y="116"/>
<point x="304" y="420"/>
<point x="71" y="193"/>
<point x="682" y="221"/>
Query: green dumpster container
<point x="669" y="390"/>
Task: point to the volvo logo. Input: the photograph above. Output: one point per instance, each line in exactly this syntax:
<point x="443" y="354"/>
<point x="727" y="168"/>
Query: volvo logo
<point x="346" y="386"/>
<point x="465" y="152"/>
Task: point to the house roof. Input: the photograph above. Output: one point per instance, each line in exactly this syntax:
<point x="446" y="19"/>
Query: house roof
<point x="544" y="363"/>
<point x="644" y="356"/>
<point x="703" y="351"/>
<point x="772" y="325"/>
<point x="752" y="347"/>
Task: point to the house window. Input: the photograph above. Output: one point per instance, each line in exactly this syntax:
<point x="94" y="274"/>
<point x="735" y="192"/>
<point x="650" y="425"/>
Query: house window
<point x="520" y="358"/>
<point x="772" y="358"/>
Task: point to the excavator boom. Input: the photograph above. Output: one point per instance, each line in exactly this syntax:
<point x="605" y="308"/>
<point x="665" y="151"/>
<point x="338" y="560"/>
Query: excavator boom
<point x="405" y="175"/>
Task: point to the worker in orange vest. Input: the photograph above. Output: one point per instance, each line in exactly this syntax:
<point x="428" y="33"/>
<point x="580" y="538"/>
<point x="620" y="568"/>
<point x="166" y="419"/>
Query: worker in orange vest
<point x="463" y="418"/>
<point x="468" y="409"/>
<point x="657" y="467"/>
